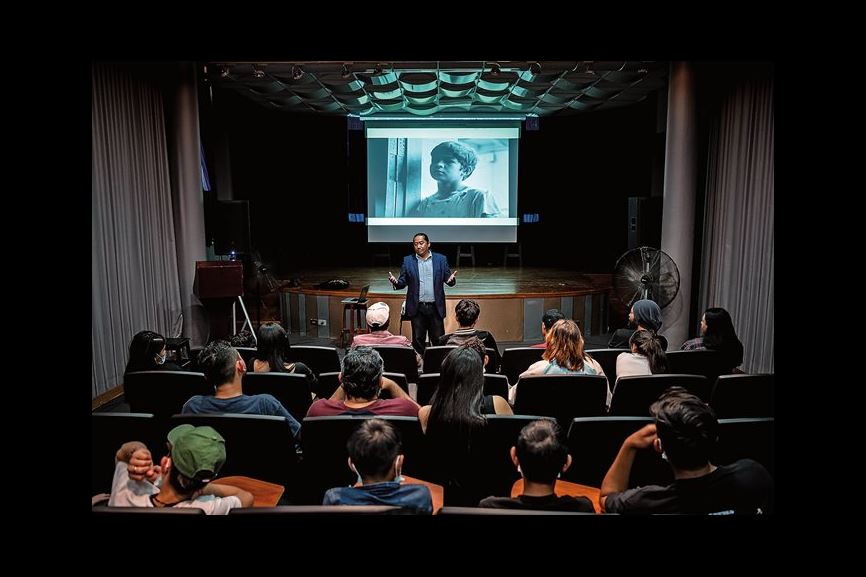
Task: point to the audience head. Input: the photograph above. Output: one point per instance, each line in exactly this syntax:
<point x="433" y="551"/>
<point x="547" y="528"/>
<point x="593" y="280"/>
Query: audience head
<point x="361" y="374"/>
<point x="272" y="346"/>
<point x="467" y="312"/>
<point x="460" y="152"/>
<point x="687" y="429"/>
<point x="378" y="316"/>
<point x="146" y="352"/>
<point x="458" y="397"/>
<point x="646" y="314"/>
<point x="197" y="455"/>
<point x="550" y="317"/>
<point x="717" y="328"/>
<point x="476" y="345"/>
<point x="540" y="452"/>
<point x="649" y="344"/>
<point x="375" y="451"/>
<point x="244" y="339"/>
<point x="221" y="363"/>
<point x="565" y="345"/>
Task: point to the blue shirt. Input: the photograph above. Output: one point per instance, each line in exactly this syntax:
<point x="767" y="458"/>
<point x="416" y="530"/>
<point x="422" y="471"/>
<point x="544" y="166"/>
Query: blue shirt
<point x="243" y="404"/>
<point x="416" y="497"/>
<point x="425" y="279"/>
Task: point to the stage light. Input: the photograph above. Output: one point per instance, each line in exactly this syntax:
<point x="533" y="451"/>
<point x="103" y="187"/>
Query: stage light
<point x="258" y="72"/>
<point x="345" y="72"/>
<point x="495" y="70"/>
<point x="535" y="68"/>
<point x="224" y="72"/>
<point x="297" y="72"/>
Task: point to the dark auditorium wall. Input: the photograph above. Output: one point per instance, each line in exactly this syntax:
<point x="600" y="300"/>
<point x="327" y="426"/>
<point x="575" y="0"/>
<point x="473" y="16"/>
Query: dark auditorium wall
<point x="302" y="174"/>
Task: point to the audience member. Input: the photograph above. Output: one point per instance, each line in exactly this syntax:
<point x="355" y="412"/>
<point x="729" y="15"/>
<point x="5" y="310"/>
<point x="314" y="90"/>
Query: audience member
<point x="378" y="320"/>
<point x="147" y="353"/>
<point x="564" y="355"/>
<point x="361" y="381"/>
<point x="224" y="370"/>
<point x="467" y="312"/>
<point x="550" y="317"/>
<point x="375" y="456"/>
<point x="718" y="334"/>
<point x="243" y="339"/>
<point x="685" y="432"/>
<point x="273" y="348"/>
<point x="647" y="357"/>
<point x="645" y="315"/>
<point x="184" y="477"/>
<point x="540" y="456"/>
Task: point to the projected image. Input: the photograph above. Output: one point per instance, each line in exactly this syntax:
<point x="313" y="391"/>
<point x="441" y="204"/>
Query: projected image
<point x="457" y="178"/>
<point x="435" y="178"/>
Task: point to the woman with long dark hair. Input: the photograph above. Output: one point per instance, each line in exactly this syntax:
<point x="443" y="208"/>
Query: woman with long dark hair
<point x="147" y="353"/>
<point x="718" y="334"/>
<point x="272" y="350"/>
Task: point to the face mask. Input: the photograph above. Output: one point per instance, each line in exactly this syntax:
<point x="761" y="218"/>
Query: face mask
<point x="160" y="359"/>
<point x="358" y="481"/>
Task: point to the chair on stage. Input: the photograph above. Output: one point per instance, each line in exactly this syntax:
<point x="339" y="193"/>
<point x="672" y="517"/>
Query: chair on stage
<point x="468" y="252"/>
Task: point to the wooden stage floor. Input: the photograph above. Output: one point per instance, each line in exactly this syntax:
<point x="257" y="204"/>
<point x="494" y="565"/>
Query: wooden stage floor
<point x="512" y="300"/>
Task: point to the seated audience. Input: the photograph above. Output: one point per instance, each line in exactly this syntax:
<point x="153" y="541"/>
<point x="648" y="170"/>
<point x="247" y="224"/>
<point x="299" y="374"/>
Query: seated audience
<point x="224" y="369"/>
<point x="647" y="357"/>
<point x="685" y="432"/>
<point x="550" y="317"/>
<point x="540" y="457"/>
<point x="361" y="381"/>
<point x="467" y="312"/>
<point x="564" y="355"/>
<point x="243" y="339"/>
<point x="273" y="347"/>
<point x="378" y="321"/>
<point x="184" y="478"/>
<point x="645" y="315"/>
<point x="374" y="455"/>
<point x="147" y="353"/>
<point x="718" y="334"/>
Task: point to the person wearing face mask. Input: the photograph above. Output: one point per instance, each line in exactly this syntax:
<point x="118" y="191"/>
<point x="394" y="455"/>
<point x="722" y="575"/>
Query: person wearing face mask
<point x="224" y="369"/>
<point x="147" y="353"/>
<point x="375" y="456"/>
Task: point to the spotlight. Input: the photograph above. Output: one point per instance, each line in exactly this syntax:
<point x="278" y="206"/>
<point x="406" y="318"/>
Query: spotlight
<point x="224" y="72"/>
<point x="258" y="72"/>
<point x="495" y="70"/>
<point x="535" y="68"/>
<point x="345" y="72"/>
<point x="297" y="72"/>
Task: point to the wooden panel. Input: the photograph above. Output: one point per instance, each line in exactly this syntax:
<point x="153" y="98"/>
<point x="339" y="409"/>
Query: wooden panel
<point x="578" y="312"/>
<point x="502" y="317"/>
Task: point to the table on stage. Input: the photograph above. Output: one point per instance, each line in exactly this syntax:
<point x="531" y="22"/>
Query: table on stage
<point x="565" y="488"/>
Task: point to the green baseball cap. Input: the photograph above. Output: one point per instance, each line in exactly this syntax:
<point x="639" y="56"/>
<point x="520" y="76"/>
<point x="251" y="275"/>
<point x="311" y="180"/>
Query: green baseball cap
<point x="197" y="452"/>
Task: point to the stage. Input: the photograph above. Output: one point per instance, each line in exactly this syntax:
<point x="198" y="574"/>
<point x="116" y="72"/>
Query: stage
<point x="512" y="300"/>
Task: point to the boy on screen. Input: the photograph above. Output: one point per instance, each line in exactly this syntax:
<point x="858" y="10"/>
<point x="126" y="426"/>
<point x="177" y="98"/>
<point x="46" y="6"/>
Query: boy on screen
<point x="450" y="164"/>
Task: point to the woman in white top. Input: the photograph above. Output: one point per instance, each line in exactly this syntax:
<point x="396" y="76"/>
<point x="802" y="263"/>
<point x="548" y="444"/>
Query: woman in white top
<point x="647" y="356"/>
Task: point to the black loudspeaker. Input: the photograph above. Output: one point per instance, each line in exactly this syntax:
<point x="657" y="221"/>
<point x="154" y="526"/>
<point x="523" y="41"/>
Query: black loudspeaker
<point x="355" y="123"/>
<point x="531" y="123"/>
<point x="229" y="226"/>
<point x="644" y="221"/>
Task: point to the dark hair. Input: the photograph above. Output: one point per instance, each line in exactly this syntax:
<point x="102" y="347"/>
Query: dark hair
<point x="649" y="345"/>
<point x="362" y="373"/>
<point x="687" y="427"/>
<point x="465" y="155"/>
<point x="551" y="316"/>
<point x="373" y="447"/>
<point x="456" y="403"/>
<point x="143" y="349"/>
<point x="722" y="337"/>
<point x="243" y="339"/>
<point x="476" y="345"/>
<point x="217" y="361"/>
<point x="424" y="234"/>
<point x="272" y="346"/>
<point x="467" y="312"/>
<point x="540" y="451"/>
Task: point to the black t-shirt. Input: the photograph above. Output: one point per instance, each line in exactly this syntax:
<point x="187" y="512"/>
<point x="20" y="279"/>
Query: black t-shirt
<point x="546" y="503"/>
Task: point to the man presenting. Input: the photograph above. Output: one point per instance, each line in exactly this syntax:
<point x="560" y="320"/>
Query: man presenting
<point x="424" y="273"/>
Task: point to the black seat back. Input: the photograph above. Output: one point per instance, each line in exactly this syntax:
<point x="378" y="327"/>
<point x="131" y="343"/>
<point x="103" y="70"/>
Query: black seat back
<point x="744" y="396"/>
<point x="562" y="397"/>
<point x="433" y="357"/>
<point x="318" y="359"/>
<point x="517" y="360"/>
<point x="108" y="431"/>
<point x="292" y="390"/>
<point x="162" y="393"/>
<point x="632" y="396"/>
<point x="607" y="359"/>
<point x="399" y="359"/>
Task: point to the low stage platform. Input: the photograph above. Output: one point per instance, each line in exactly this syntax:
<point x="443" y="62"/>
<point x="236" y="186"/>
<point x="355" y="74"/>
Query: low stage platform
<point x="512" y="300"/>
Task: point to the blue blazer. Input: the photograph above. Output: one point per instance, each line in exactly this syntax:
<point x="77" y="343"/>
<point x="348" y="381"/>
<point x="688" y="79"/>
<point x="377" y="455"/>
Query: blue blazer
<point x="409" y="277"/>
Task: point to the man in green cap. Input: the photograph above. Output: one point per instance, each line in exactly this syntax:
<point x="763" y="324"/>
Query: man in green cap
<point x="182" y="479"/>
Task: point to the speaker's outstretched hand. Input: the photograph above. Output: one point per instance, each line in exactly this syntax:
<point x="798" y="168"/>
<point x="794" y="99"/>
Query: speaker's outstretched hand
<point x="451" y="278"/>
<point x="391" y="278"/>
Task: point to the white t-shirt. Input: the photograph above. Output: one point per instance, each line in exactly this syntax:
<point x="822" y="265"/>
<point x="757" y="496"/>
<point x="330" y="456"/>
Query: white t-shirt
<point x="128" y="493"/>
